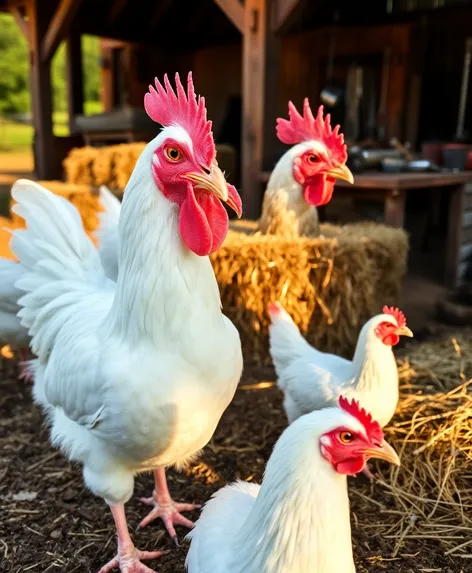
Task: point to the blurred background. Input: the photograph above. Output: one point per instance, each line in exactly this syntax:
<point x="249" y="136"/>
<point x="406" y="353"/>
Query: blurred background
<point x="394" y="73"/>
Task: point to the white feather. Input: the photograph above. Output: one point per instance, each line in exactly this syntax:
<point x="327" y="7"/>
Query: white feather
<point x="11" y="330"/>
<point x="297" y="521"/>
<point x="133" y="375"/>
<point x="312" y="380"/>
<point x="284" y="209"/>
<point x="107" y="233"/>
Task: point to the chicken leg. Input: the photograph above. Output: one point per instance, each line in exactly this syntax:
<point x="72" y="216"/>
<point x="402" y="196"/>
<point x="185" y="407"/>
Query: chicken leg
<point x="128" y="558"/>
<point x="25" y="372"/>
<point x="165" y="507"/>
<point x="366" y="471"/>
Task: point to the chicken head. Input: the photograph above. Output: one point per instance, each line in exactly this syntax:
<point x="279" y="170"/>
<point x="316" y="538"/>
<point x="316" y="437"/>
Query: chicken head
<point x="348" y="449"/>
<point x="322" y="152"/>
<point x="184" y="165"/>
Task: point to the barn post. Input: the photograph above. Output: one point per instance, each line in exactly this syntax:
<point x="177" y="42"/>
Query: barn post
<point x="254" y="98"/>
<point x="41" y="92"/>
<point x="263" y="19"/>
<point x="75" y="80"/>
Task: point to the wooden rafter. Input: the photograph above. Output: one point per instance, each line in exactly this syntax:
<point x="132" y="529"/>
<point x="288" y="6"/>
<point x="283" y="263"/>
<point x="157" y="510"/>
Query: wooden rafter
<point x="20" y="21"/>
<point x="234" y="10"/>
<point x="284" y="11"/>
<point x="15" y="4"/>
<point x="58" y="27"/>
<point x="116" y="10"/>
<point x="160" y="9"/>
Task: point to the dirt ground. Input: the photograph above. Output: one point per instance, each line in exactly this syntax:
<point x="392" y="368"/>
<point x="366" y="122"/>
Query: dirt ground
<point x="49" y="522"/>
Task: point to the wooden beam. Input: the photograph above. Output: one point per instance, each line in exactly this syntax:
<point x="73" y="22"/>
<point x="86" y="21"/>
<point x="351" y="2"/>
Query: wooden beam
<point x="284" y="12"/>
<point x="15" y="4"/>
<point x="75" y="79"/>
<point x="160" y="9"/>
<point x="20" y="20"/>
<point x="234" y="11"/>
<point x="106" y="75"/>
<point x="116" y="9"/>
<point x="46" y="165"/>
<point x="58" y="27"/>
<point x="254" y="71"/>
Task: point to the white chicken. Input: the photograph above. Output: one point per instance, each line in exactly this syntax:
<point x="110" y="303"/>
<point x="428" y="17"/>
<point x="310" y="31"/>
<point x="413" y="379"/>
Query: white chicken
<point x="311" y="380"/>
<point x="11" y="330"/>
<point x="305" y="175"/>
<point x="135" y="375"/>
<point x="297" y="521"/>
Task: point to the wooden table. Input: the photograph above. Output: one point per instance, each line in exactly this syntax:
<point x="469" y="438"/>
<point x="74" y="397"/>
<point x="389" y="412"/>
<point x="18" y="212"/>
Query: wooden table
<point x="393" y="188"/>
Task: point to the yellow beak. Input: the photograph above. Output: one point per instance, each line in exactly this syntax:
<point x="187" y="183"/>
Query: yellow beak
<point x="214" y="182"/>
<point x="341" y="172"/>
<point x="383" y="452"/>
<point x="405" y="331"/>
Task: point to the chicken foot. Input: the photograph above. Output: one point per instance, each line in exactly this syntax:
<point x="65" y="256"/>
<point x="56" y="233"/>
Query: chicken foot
<point x="165" y="507"/>
<point x="366" y="471"/>
<point x="25" y="372"/>
<point x="128" y="558"/>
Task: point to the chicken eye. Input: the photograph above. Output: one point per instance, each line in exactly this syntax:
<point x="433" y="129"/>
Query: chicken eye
<point x="346" y="437"/>
<point x="313" y="158"/>
<point x="173" y="153"/>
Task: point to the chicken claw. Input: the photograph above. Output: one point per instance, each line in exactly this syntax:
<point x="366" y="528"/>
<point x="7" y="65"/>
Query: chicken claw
<point x="25" y="373"/>
<point x="366" y="471"/>
<point x="166" y="508"/>
<point x="131" y="562"/>
<point x="25" y="369"/>
<point x="128" y="558"/>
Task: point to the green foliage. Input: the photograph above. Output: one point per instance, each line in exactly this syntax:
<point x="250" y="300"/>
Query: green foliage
<point x="14" y="70"/>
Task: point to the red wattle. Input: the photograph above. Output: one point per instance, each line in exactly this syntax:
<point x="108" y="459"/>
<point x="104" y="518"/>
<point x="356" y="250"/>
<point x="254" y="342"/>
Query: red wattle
<point x="391" y="339"/>
<point x="318" y="190"/>
<point x="217" y="218"/>
<point x="203" y="223"/>
<point x="194" y="227"/>
<point x="351" y="466"/>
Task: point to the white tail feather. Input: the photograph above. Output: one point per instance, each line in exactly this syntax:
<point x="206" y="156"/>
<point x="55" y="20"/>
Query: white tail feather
<point x="60" y="261"/>
<point x="286" y="341"/>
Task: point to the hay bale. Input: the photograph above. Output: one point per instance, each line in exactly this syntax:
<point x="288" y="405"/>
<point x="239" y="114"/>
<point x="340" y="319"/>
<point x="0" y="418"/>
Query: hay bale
<point x="387" y="246"/>
<point x="78" y="165"/>
<point x="84" y="197"/>
<point x="110" y="165"/>
<point x="330" y="285"/>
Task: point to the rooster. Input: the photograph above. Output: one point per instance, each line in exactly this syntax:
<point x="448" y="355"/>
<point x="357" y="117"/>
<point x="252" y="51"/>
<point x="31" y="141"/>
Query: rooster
<point x="135" y="375"/>
<point x="12" y="332"/>
<point x="312" y="380"/>
<point x="304" y="177"/>
<point x="297" y="521"/>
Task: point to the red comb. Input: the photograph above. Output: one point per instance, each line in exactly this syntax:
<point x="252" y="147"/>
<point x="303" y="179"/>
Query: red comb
<point x="373" y="429"/>
<point x="397" y="315"/>
<point x="298" y="129"/>
<point x="168" y="108"/>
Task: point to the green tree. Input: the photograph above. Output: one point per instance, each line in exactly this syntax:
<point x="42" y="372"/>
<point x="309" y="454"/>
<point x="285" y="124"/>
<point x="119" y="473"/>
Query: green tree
<point x="14" y="67"/>
<point x="90" y="65"/>
<point x="14" y="70"/>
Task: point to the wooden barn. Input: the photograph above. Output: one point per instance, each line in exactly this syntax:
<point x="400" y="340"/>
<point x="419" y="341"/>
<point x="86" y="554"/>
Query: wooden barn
<point x="394" y="69"/>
